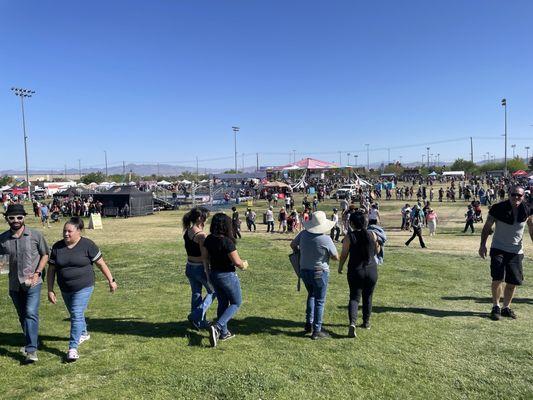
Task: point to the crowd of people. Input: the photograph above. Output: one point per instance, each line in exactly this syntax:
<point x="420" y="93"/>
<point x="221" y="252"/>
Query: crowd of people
<point x="213" y="259"/>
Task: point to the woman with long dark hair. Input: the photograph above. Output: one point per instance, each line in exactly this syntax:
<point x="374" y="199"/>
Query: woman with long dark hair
<point x="362" y="247"/>
<point x="195" y="270"/>
<point x="222" y="257"/>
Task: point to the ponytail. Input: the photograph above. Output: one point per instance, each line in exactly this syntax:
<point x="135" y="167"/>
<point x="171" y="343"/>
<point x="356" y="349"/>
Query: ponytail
<point x="359" y="222"/>
<point x="197" y="214"/>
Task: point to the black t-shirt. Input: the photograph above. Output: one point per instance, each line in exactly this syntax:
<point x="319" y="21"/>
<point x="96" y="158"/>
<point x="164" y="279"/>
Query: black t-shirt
<point x="74" y="266"/>
<point x="218" y="248"/>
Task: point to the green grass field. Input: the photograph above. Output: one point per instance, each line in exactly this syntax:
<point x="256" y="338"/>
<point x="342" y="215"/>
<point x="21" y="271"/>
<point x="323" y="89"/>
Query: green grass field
<point x="430" y="335"/>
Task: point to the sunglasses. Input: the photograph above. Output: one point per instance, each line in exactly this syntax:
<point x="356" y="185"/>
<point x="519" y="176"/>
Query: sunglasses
<point x="15" y="217"/>
<point x="519" y="195"/>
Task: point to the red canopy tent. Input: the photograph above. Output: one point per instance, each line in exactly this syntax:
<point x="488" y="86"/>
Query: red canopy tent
<point x="306" y="164"/>
<point x="520" y="172"/>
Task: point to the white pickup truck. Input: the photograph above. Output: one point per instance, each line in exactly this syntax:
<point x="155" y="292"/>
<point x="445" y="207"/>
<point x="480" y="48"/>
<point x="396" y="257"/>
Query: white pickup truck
<point x="346" y="191"/>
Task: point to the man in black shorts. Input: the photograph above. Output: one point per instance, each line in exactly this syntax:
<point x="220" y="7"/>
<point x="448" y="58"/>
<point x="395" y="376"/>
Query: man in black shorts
<point x="506" y="254"/>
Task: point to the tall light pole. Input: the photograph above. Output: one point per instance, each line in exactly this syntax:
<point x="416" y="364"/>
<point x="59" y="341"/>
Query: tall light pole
<point x="504" y="104"/>
<point x="438" y="159"/>
<point x="527" y="154"/>
<point x="105" y="155"/>
<point x="24" y="93"/>
<point x="513" y="147"/>
<point x="367" y="157"/>
<point x="348" y="154"/>
<point x="356" y="156"/>
<point x="235" y="130"/>
<point x="427" y="149"/>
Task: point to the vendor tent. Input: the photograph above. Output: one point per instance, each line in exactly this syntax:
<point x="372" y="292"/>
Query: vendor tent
<point x="307" y="164"/>
<point x="276" y="184"/>
<point x="114" y="200"/>
<point x="520" y="172"/>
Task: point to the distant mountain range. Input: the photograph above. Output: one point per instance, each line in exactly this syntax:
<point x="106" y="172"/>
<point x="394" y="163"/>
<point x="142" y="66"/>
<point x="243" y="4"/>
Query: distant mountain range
<point x="139" y="169"/>
<point x="173" y="170"/>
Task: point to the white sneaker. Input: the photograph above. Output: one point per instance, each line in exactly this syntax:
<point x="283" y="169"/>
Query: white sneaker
<point x="84" y="338"/>
<point x="72" y="355"/>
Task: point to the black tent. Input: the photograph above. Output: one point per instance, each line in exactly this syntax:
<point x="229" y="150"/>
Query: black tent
<point x="74" y="192"/>
<point x="114" y="200"/>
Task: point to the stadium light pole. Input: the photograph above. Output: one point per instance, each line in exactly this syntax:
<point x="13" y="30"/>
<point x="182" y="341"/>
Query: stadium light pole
<point x="24" y="93"/>
<point x="367" y="157"/>
<point x="235" y="130"/>
<point x="504" y="104"/>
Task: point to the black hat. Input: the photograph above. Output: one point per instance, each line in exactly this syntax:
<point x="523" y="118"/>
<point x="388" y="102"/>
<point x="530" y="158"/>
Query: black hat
<point x="15" y="209"/>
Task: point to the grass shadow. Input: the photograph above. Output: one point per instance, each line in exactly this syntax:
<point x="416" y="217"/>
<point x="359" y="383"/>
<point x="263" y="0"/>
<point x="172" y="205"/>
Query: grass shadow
<point x="485" y="300"/>
<point x="17" y="340"/>
<point x="430" y="312"/>
<point x="139" y="327"/>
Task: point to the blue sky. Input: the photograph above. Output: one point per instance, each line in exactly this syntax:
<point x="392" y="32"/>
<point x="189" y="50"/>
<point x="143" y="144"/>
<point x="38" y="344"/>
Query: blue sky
<point x="164" y="81"/>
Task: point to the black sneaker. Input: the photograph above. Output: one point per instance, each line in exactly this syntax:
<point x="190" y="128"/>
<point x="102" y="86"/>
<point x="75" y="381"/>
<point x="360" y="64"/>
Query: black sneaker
<point x="351" y="331"/>
<point x="227" y="336"/>
<point x="194" y="324"/>
<point x="365" y="325"/>
<point x="214" y="334"/>
<point x="308" y="327"/>
<point x="320" y="335"/>
<point x="495" y="313"/>
<point x="507" y="312"/>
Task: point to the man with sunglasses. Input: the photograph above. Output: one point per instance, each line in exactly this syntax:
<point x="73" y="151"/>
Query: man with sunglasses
<point x="28" y="255"/>
<point x="506" y="253"/>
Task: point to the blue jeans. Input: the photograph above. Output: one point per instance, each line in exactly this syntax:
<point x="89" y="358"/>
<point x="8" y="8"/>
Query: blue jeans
<point x="229" y="296"/>
<point x="26" y="302"/>
<point x="197" y="278"/>
<point x="316" y="283"/>
<point x="76" y="303"/>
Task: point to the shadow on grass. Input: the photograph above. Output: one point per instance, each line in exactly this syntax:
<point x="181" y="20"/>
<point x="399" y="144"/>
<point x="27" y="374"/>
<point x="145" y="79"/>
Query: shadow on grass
<point x="246" y="326"/>
<point x="485" y="300"/>
<point x="17" y="340"/>
<point x="430" y="312"/>
<point x="138" y="327"/>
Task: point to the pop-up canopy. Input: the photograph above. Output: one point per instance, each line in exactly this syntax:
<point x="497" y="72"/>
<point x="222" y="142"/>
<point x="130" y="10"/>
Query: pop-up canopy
<point x="307" y="164"/>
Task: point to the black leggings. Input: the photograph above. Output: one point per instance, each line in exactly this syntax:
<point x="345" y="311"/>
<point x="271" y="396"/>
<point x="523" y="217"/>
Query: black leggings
<point x="416" y="232"/>
<point x="361" y="281"/>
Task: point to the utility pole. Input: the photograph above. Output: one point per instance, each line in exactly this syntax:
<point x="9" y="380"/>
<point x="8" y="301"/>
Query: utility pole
<point x="504" y="104"/>
<point x="513" y="147"/>
<point x="235" y="130"/>
<point x="527" y="155"/>
<point x="348" y="159"/>
<point x="438" y="161"/>
<point x="124" y="169"/>
<point x="427" y="149"/>
<point x="367" y="157"/>
<point x="471" y="150"/>
<point x="24" y="93"/>
<point x="256" y="162"/>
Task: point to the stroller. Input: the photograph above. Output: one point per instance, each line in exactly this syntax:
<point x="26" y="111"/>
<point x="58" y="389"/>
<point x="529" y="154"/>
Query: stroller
<point x="54" y="216"/>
